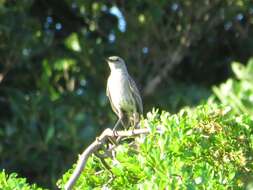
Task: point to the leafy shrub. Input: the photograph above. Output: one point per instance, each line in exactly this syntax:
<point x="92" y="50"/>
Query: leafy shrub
<point x="238" y="93"/>
<point x="206" y="148"/>
<point x="12" y="182"/>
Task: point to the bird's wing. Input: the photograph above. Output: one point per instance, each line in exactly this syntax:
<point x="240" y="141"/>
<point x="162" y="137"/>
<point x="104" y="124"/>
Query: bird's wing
<point x="136" y="93"/>
<point x="109" y="96"/>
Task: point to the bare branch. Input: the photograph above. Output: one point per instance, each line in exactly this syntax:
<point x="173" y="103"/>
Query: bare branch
<point x="175" y="59"/>
<point x="107" y="134"/>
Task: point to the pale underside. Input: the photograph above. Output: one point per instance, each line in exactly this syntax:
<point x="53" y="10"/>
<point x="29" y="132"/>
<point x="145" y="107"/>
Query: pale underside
<point x="124" y="95"/>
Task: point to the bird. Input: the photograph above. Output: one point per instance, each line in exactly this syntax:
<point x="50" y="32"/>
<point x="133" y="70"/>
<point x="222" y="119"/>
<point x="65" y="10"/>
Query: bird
<point x="123" y="94"/>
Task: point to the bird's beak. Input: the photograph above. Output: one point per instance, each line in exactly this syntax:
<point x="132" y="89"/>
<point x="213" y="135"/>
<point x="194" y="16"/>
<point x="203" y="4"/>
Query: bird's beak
<point x="106" y="59"/>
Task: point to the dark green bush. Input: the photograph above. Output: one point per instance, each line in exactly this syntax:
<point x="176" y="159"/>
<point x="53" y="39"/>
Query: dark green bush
<point x="13" y="182"/>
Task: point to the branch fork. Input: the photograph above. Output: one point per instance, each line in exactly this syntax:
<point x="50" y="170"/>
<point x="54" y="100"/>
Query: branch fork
<point x="107" y="134"/>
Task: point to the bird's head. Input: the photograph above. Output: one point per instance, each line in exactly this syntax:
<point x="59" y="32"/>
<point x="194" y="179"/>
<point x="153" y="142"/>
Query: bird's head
<point x="116" y="62"/>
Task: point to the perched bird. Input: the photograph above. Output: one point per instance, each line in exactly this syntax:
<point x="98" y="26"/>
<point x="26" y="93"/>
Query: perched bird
<point x="123" y="94"/>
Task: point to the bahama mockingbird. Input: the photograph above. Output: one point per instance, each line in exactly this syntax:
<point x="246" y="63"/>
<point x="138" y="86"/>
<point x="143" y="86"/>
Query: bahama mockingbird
<point x="123" y="94"/>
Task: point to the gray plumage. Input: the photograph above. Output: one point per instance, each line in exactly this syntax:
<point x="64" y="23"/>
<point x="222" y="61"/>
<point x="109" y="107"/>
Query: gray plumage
<point x="123" y="93"/>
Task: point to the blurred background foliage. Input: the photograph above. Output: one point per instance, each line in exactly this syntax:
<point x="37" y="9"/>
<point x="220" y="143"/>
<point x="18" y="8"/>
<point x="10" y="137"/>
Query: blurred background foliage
<point x="53" y="74"/>
<point x="237" y="93"/>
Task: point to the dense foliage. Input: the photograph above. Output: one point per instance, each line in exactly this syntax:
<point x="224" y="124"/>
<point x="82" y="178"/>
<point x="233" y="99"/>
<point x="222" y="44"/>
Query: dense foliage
<point x="53" y="74"/>
<point x="238" y="93"/>
<point x="206" y="148"/>
<point x="13" y="182"/>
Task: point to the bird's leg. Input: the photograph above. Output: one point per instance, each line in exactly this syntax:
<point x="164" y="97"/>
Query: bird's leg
<point x="136" y="120"/>
<point x="115" y="127"/>
<point x="111" y="139"/>
<point x="117" y="124"/>
<point x="121" y="120"/>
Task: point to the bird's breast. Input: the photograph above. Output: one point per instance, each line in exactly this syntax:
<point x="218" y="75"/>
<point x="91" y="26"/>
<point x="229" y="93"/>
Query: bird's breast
<point x="120" y="92"/>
